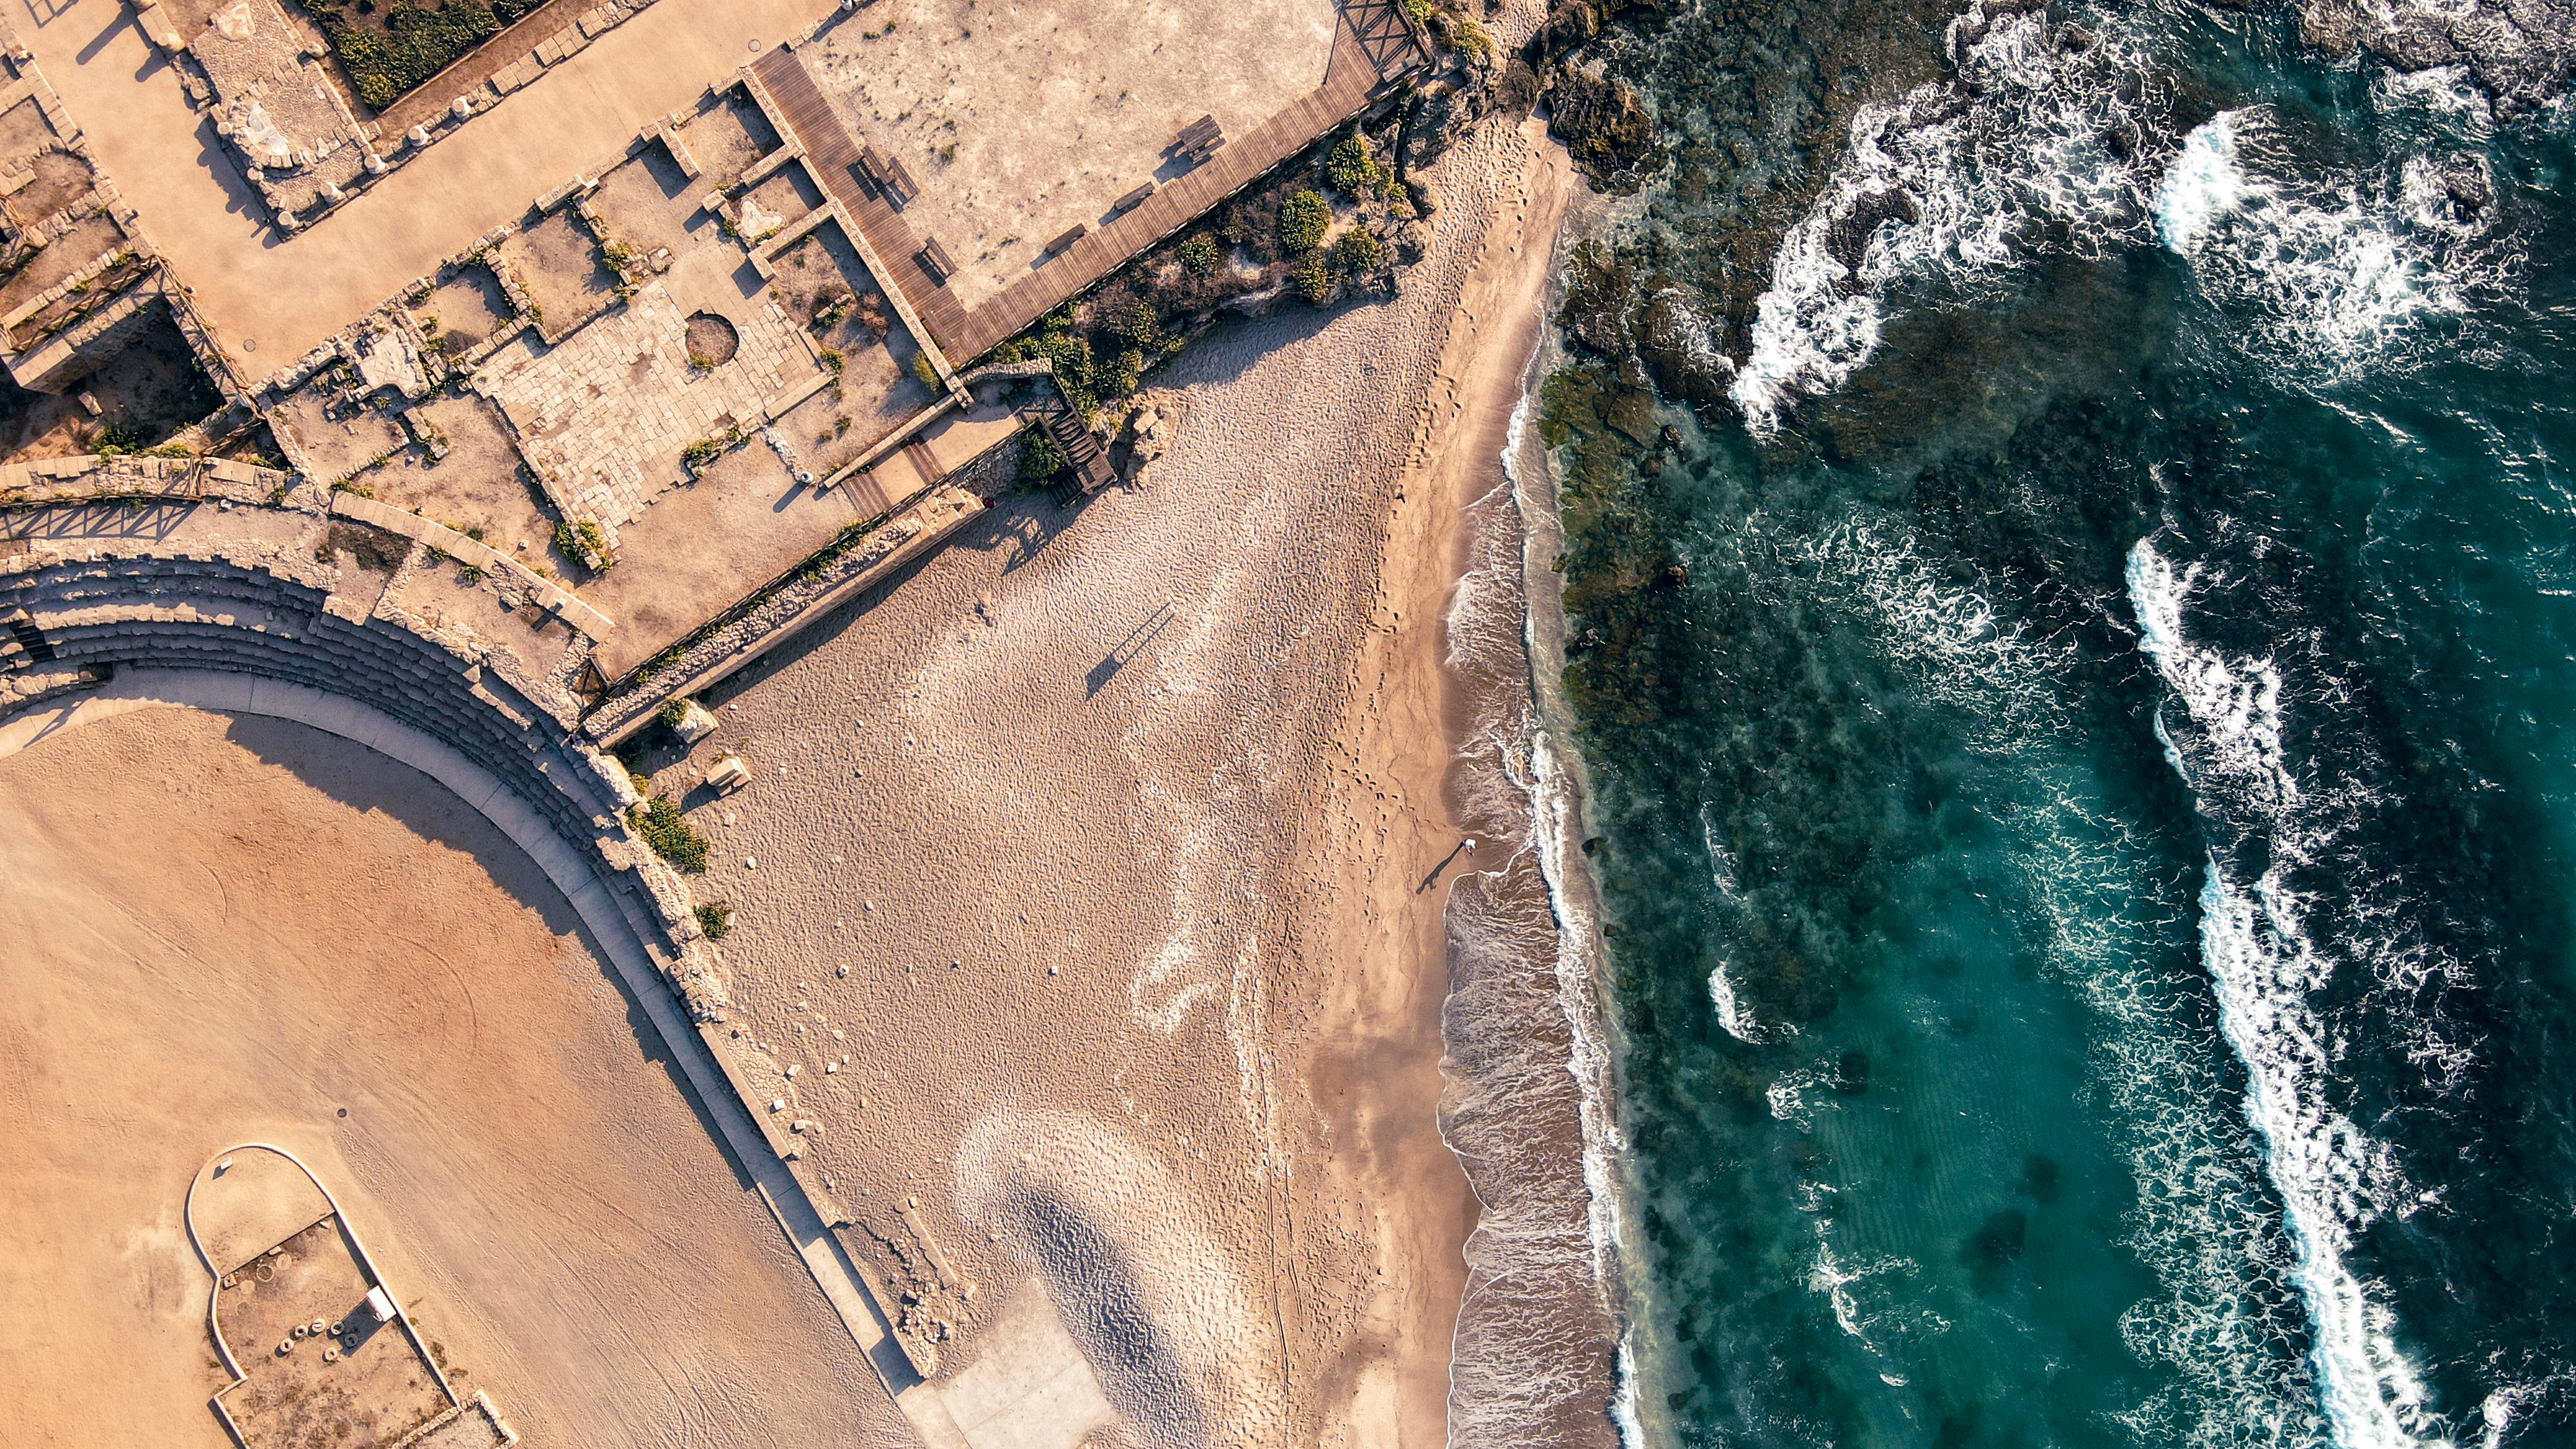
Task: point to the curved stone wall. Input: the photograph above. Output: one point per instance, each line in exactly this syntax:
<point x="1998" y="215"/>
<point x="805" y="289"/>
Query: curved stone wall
<point x="186" y="585"/>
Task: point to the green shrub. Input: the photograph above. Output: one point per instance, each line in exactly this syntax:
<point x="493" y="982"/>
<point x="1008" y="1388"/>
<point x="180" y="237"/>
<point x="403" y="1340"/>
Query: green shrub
<point x="1303" y="220"/>
<point x="1200" y="254"/>
<point x="1041" y="457"/>
<point x="1356" y="252"/>
<point x="923" y="372"/>
<point x="716" y="921"/>
<point x="673" y="711"/>
<point x="669" y="833"/>
<point x="581" y="540"/>
<point x="414" y="42"/>
<point x="1350" y="168"/>
<point x="1315" y="278"/>
<point x="1129" y="371"/>
<point x="1133" y="322"/>
<point x="706" y="450"/>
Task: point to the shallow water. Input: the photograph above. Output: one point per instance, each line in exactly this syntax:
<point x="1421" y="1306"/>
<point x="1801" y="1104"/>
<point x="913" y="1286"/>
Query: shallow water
<point x="2075" y="673"/>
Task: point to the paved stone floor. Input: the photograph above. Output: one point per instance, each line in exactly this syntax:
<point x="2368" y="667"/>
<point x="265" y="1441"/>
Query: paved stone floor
<point x="603" y="417"/>
<point x="270" y="299"/>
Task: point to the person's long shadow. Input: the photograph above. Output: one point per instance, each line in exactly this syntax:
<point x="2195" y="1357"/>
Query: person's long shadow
<point x="1146" y="631"/>
<point x="1433" y="879"/>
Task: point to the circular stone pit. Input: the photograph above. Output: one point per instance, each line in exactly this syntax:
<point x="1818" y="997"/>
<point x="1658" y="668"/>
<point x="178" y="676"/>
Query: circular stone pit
<point x="712" y="341"/>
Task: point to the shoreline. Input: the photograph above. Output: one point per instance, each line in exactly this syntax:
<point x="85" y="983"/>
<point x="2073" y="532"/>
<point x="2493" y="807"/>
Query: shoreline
<point x="1404" y="734"/>
<point x="1416" y="741"/>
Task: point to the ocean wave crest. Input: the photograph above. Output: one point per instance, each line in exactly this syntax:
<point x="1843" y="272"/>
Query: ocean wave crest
<point x="2046" y="138"/>
<point x="2330" y="276"/>
<point x="2267" y="968"/>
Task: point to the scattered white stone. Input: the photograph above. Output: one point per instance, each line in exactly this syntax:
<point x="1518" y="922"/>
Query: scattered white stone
<point x="751" y="862"/>
<point x="830" y="1067"/>
<point x="778" y="1104"/>
<point x="841" y="970"/>
<point x="792" y="1071"/>
<point x="1050" y="971"/>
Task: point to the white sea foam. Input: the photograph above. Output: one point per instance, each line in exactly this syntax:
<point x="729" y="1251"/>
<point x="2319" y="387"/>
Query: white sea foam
<point x="2203" y="1223"/>
<point x="2016" y="154"/>
<point x="2333" y="1178"/>
<point x="2203" y="184"/>
<point x="1542" y="1261"/>
<point x="2327" y="276"/>
<point x="2038" y="146"/>
<point x="1732" y="1015"/>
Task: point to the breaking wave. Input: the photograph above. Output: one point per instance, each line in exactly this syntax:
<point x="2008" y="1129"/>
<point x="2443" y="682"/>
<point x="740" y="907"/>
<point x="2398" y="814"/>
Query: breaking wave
<point x="2046" y="139"/>
<point x="1528" y="1107"/>
<point x="2267" y="969"/>
<point x="2338" y="274"/>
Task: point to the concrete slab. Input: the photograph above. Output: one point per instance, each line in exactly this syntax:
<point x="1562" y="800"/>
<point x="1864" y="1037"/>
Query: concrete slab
<point x="1031" y="1387"/>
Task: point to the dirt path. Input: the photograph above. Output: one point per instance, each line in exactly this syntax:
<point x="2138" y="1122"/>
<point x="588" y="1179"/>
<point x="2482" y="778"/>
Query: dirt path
<point x="228" y="929"/>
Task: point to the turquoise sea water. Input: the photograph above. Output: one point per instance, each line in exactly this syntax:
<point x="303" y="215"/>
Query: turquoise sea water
<point x="2078" y="671"/>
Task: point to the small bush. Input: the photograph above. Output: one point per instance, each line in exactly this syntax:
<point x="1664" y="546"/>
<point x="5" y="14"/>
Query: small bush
<point x="1303" y="220"/>
<point x="1350" y="168"/>
<point x="1128" y="371"/>
<point x="923" y="372"/>
<point x="1133" y="322"/>
<point x="581" y="540"/>
<point x="673" y="711"/>
<point x="669" y="834"/>
<point x="832" y="360"/>
<point x="1315" y="278"/>
<point x="1462" y="35"/>
<point x="706" y="450"/>
<point x="1357" y="253"/>
<point x="716" y="921"/>
<point x="1041" y="457"/>
<point x="1201" y="255"/>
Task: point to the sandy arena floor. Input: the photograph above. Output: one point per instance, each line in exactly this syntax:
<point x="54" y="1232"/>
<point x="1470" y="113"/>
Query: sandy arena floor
<point x="228" y="929"/>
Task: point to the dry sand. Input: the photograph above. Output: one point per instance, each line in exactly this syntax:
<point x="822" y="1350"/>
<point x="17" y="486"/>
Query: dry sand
<point x="1118" y="823"/>
<point x="222" y="930"/>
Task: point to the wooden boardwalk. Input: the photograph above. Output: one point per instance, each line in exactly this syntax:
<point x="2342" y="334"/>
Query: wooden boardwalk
<point x="1373" y="49"/>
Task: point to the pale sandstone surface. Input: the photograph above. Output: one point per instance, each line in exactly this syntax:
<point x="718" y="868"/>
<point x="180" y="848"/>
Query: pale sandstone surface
<point x="231" y="929"/>
<point x="1021" y="119"/>
<point x="1115" y="822"/>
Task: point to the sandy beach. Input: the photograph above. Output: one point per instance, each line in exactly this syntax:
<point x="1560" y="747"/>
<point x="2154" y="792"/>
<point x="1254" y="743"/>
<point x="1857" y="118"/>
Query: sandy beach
<point x="1088" y="882"/>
